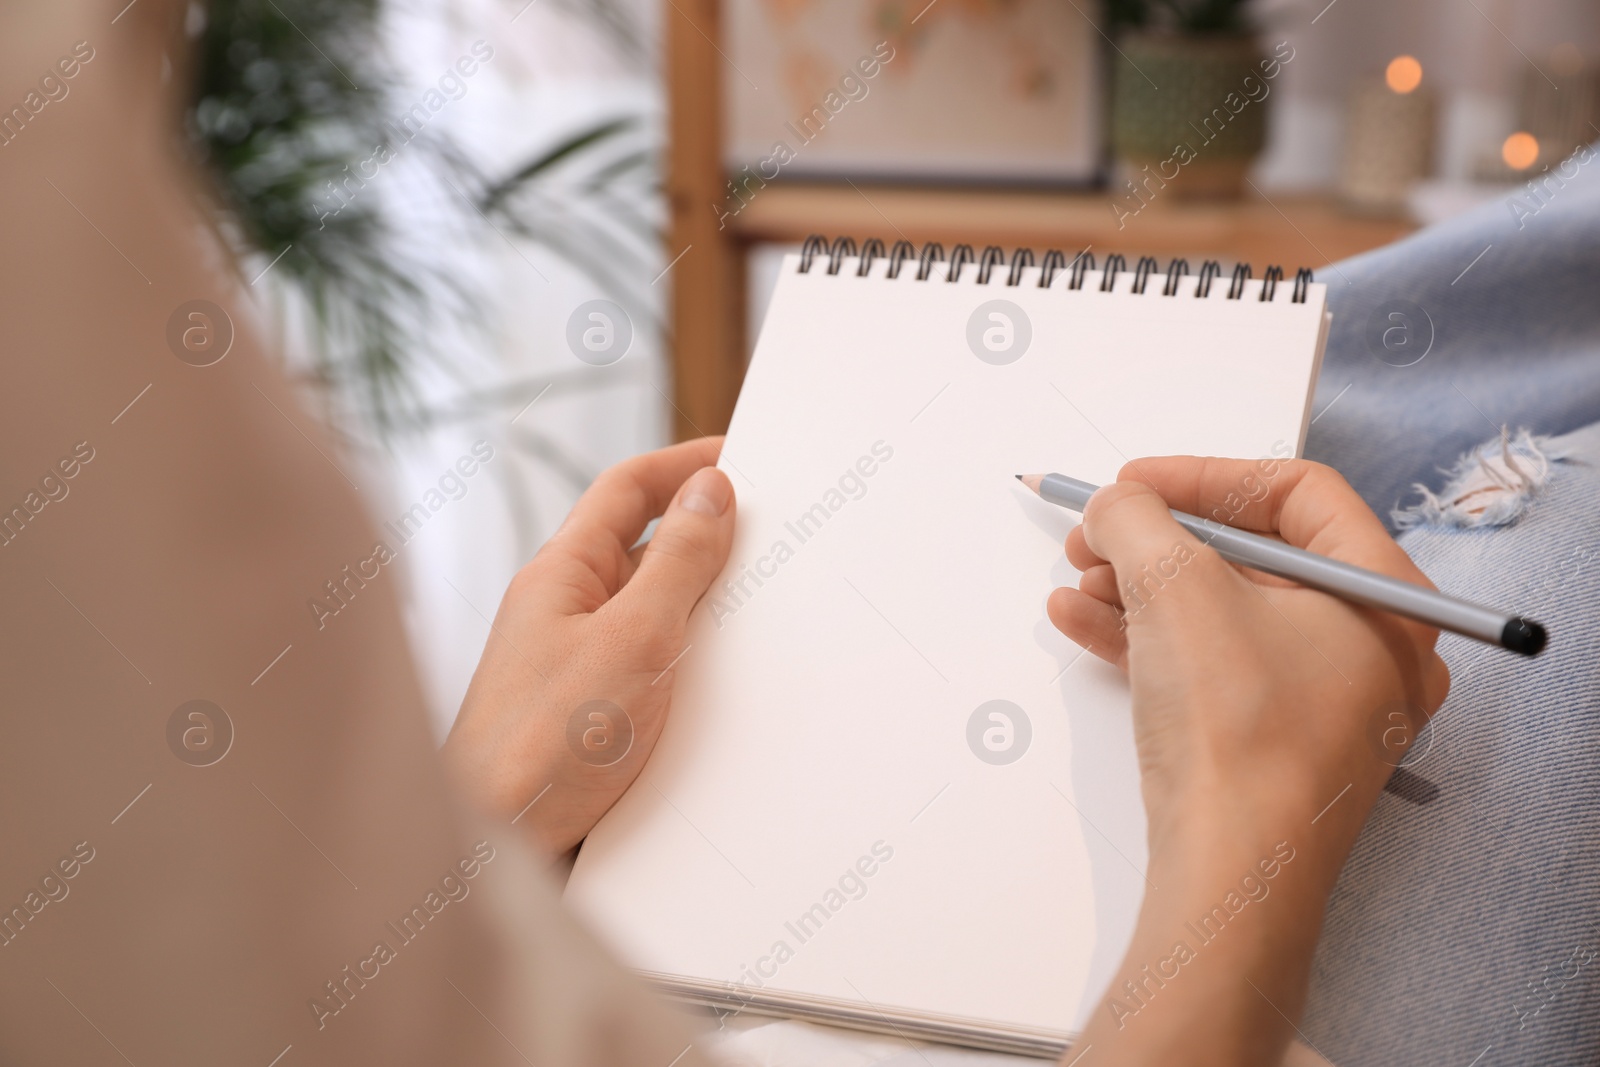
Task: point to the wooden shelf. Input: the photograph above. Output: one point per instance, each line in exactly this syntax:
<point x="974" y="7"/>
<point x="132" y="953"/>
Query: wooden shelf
<point x="707" y="340"/>
<point x="1290" y="231"/>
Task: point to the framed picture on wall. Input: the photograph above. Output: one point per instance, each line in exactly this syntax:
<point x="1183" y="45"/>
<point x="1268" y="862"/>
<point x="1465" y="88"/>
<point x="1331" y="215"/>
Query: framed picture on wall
<point x="954" y="90"/>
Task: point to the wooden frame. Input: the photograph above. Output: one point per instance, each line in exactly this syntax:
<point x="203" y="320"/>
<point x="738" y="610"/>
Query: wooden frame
<point x="707" y="332"/>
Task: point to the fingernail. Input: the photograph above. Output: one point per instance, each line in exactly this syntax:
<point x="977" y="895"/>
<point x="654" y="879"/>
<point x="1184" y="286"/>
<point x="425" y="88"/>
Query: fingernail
<point x="708" y="492"/>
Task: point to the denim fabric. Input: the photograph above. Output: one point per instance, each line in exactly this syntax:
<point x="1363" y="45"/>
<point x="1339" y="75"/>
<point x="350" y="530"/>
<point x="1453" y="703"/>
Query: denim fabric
<point x="1468" y="925"/>
<point x="1514" y="340"/>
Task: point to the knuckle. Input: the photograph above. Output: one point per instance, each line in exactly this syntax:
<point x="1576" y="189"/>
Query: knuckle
<point x="1320" y="470"/>
<point x="524" y="583"/>
<point x="617" y="479"/>
<point x="1113" y="498"/>
<point x="674" y="546"/>
<point x="1321" y="478"/>
<point x="1207" y="562"/>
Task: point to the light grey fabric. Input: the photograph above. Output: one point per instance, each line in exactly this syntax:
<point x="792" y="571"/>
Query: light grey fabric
<point x="1465" y="920"/>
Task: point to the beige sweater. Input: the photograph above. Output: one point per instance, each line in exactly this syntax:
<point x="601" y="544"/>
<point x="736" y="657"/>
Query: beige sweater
<point x="307" y="896"/>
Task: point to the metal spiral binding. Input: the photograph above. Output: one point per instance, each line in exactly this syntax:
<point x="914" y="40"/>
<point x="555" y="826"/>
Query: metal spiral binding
<point x="843" y="247"/>
<point x="1302" y="284"/>
<point x="991" y="256"/>
<point x="1021" y="260"/>
<point x="1084" y="262"/>
<point x="870" y="250"/>
<point x="1241" y="274"/>
<point x="902" y="251"/>
<point x="1269" y="283"/>
<point x="1115" y="265"/>
<point x="1175" y="273"/>
<point x="960" y="256"/>
<point x="1054" y="262"/>
<point x="1141" y="273"/>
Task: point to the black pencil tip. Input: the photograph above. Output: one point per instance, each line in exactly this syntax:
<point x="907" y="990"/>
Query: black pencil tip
<point x="1019" y="477"/>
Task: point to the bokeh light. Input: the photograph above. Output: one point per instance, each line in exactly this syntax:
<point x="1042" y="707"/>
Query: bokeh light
<point x="1520" y="151"/>
<point x="1404" y="74"/>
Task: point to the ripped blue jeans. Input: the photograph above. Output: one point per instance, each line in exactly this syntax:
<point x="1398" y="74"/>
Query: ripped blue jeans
<point x="1465" y="928"/>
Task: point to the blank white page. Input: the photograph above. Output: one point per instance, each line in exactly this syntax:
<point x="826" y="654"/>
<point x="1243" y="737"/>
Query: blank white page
<point x="823" y="705"/>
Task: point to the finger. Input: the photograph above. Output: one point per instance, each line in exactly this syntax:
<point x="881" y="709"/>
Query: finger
<point x="1233" y="492"/>
<point x="1130" y="526"/>
<point x="1078" y="553"/>
<point x="588" y="556"/>
<point x="1100" y="582"/>
<point x="688" y="551"/>
<point x="1091" y="623"/>
<point x="1310" y="505"/>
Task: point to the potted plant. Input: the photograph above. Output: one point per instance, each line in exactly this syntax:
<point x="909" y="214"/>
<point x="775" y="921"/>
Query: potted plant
<point x="276" y="117"/>
<point x="1189" y="87"/>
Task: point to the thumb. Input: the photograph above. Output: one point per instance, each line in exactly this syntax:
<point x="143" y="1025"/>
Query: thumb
<point x="1129" y="525"/>
<point x="688" y="550"/>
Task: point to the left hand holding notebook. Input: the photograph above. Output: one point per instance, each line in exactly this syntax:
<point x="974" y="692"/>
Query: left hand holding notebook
<point x="591" y="626"/>
<point x="1253" y="704"/>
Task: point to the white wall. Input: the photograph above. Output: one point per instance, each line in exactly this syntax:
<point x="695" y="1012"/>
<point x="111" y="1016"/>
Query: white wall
<point x="551" y="73"/>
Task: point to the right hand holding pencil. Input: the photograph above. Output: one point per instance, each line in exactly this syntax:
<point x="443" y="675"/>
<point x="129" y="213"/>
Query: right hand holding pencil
<point x="1253" y="704"/>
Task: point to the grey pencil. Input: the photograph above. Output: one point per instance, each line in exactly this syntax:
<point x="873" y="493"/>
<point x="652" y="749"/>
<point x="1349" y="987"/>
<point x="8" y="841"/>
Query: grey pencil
<point x="1343" y="580"/>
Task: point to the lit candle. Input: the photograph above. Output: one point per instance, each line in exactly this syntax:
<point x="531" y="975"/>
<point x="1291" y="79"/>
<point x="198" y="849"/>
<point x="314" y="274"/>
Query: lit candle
<point x="1388" y="138"/>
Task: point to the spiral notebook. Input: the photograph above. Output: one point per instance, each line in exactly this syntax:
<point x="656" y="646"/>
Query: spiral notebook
<point x="890" y="795"/>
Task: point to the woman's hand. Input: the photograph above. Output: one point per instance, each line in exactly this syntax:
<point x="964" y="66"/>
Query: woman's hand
<point x="1262" y="713"/>
<point x="576" y="678"/>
